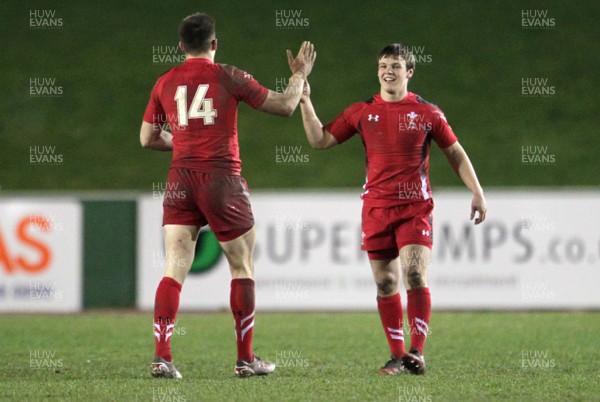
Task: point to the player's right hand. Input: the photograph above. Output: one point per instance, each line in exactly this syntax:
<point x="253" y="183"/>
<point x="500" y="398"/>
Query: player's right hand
<point x="305" y="92"/>
<point x="305" y="59"/>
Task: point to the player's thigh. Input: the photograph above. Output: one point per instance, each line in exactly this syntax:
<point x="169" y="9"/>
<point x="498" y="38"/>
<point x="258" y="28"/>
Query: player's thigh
<point x="225" y="202"/>
<point x="415" y="257"/>
<point x="413" y="224"/>
<point x="180" y="243"/>
<point x="384" y="267"/>
<point x="180" y="203"/>
<point x="376" y="229"/>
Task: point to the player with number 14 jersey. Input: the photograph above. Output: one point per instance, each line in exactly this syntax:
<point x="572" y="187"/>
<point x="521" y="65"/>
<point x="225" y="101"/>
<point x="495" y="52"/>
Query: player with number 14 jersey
<point x="206" y="139"/>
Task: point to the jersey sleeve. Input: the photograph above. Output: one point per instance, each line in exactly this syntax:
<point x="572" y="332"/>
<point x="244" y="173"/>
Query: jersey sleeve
<point x="441" y="132"/>
<point x="243" y="86"/>
<point x="346" y="124"/>
<point x="154" y="111"/>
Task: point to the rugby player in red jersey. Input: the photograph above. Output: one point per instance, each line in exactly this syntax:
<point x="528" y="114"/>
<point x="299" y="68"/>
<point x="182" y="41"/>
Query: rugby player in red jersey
<point x="199" y="101"/>
<point x="396" y="127"/>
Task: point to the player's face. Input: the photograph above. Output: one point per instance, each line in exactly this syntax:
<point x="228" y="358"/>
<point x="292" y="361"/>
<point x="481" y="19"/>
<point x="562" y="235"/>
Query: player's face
<point x="392" y="74"/>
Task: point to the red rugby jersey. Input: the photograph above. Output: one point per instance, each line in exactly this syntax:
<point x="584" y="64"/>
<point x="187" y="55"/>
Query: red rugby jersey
<point x="396" y="136"/>
<point x="199" y="101"/>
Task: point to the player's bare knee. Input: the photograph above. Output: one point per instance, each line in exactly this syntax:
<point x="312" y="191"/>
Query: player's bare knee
<point x="387" y="285"/>
<point x="240" y="265"/>
<point x="241" y="271"/>
<point x="415" y="279"/>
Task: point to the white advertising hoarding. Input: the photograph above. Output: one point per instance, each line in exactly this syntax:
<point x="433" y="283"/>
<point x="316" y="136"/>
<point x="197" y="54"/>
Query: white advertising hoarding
<point x="40" y="255"/>
<point x="537" y="250"/>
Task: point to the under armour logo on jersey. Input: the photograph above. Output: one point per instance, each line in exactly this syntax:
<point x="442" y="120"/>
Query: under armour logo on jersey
<point x="425" y="232"/>
<point x="374" y="117"/>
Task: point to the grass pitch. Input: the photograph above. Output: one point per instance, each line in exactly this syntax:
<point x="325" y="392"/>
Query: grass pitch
<point x="321" y="357"/>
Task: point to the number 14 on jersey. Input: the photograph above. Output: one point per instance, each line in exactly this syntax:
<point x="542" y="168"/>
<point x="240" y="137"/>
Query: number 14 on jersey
<point x="200" y="108"/>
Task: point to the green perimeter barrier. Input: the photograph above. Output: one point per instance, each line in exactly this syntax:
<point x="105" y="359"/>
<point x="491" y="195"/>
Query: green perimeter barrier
<point x="109" y="253"/>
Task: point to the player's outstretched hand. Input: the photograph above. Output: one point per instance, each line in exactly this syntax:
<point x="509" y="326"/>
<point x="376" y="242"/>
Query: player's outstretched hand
<point x="478" y="205"/>
<point x="305" y="59"/>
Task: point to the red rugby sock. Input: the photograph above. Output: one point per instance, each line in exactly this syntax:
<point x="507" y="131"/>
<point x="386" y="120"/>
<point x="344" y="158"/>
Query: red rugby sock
<point x="242" y="306"/>
<point x="419" y="313"/>
<point x="390" y="312"/>
<point x="166" y="305"/>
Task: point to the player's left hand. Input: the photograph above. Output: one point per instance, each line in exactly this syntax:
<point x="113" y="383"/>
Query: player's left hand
<point x="305" y="59"/>
<point x="478" y="205"/>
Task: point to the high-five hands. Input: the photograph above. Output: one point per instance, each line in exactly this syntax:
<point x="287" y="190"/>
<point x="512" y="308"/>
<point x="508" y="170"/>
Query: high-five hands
<point x="304" y="61"/>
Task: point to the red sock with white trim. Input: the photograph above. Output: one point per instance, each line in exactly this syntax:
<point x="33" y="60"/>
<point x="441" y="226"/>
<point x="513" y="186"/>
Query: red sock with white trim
<point x="242" y="307"/>
<point x="419" y="313"/>
<point x="390" y="312"/>
<point x="166" y="304"/>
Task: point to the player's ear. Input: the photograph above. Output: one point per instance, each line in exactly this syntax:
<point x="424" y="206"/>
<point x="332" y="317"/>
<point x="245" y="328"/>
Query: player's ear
<point x="214" y="44"/>
<point x="181" y="46"/>
<point x="410" y="72"/>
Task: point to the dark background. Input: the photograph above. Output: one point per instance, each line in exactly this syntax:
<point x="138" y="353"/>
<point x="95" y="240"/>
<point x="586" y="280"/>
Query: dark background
<point x="102" y="57"/>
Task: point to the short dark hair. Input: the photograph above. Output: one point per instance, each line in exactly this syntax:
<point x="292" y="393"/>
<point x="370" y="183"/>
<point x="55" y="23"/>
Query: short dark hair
<point x="196" y="31"/>
<point x="401" y="51"/>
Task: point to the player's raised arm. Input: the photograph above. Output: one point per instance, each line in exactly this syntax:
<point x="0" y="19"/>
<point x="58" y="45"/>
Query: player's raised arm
<point x="284" y="104"/>
<point x="154" y="137"/>
<point x="317" y="135"/>
<point x="459" y="160"/>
